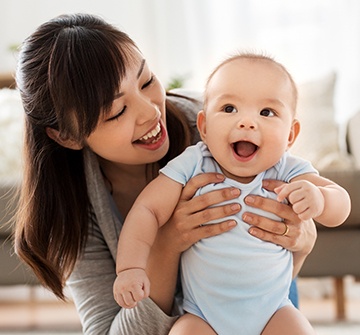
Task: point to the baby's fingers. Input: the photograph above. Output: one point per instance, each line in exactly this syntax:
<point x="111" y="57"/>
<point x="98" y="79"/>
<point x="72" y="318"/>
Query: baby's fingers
<point x="141" y="292"/>
<point x="125" y="300"/>
<point x="283" y="192"/>
<point x="307" y="215"/>
<point x="129" y="300"/>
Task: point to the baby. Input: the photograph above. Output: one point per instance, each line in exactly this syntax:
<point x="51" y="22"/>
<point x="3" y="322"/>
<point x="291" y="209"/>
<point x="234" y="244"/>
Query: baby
<point x="234" y="283"/>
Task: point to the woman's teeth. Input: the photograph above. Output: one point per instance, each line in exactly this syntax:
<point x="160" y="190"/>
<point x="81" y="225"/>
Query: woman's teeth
<point x="151" y="134"/>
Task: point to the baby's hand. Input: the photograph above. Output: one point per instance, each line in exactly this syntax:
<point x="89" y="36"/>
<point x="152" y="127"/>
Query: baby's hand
<point x="306" y="198"/>
<point x="131" y="286"/>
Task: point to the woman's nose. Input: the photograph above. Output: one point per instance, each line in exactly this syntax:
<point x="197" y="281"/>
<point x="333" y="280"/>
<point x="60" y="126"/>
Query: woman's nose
<point x="147" y="111"/>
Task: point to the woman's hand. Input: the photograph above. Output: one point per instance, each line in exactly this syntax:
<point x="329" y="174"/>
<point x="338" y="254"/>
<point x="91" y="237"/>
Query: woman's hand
<point x="192" y="213"/>
<point x="292" y="233"/>
<point x="185" y="227"/>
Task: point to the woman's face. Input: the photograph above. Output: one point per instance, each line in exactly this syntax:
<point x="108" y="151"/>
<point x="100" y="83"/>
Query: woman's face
<point x="134" y="131"/>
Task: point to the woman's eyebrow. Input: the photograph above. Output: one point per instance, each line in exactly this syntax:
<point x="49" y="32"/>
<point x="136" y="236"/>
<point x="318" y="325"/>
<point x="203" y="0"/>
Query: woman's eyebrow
<point x="118" y="95"/>
<point x="142" y="65"/>
<point x="141" y="68"/>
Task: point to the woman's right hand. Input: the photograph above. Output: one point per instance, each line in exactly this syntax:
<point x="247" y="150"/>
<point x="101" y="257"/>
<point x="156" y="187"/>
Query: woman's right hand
<point x="188" y="222"/>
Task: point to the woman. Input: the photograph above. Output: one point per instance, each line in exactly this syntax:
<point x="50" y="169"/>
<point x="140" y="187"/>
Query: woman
<point x="98" y="126"/>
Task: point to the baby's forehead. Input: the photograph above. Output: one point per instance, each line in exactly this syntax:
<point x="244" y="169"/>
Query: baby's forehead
<point x="253" y="69"/>
<point x="248" y="63"/>
<point x="259" y="62"/>
<point x="241" y="70"/>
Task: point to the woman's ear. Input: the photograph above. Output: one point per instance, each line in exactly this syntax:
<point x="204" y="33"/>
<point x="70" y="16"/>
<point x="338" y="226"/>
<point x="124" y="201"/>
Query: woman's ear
<point x="201" y="125"/>
<point x="294" y="132"/>
<point x="65" y="142"/>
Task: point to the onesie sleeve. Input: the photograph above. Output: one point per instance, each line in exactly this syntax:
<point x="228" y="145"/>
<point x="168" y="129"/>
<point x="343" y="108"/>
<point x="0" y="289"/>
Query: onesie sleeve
<point x="184" y="166"/>
<point x="291" y="166"/>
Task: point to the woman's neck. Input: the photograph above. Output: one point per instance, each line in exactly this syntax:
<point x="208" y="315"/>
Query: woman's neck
<point x="125" y="182"/>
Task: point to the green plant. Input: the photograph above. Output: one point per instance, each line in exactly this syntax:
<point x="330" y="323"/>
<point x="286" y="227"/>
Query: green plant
<point x="175" y="82"/>
<point x="14" y="47"/>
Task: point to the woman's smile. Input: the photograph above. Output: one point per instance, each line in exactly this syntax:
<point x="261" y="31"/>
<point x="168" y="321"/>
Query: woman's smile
<point x="151" y="136"/>
<point x="154" y="139"/>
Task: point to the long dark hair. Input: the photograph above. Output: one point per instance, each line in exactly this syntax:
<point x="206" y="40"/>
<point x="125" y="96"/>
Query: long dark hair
<point x="68" y="72"/>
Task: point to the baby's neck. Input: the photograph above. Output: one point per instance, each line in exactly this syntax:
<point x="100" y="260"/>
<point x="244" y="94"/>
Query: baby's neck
<point x="240" y="179"/>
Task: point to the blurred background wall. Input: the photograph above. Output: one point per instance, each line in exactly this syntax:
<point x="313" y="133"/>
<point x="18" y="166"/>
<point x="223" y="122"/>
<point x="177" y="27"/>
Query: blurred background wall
<point x="184" y="39"/>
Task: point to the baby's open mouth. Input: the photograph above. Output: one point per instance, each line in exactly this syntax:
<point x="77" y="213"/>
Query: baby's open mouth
<point x="245" y="149"/>
<point x="152" y="136"/>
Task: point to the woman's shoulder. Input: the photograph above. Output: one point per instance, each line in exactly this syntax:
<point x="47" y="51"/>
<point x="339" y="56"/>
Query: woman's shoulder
<point x="190" y="102"/>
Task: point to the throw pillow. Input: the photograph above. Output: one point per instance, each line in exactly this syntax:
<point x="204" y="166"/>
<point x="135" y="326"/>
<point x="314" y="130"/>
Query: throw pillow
<point x="318" y="140"/>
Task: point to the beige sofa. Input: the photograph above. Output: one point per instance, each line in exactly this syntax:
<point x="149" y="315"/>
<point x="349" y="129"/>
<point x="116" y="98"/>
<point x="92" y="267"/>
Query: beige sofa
<point x="335" y="152"/>
<point x="13" y="272"/>
<point x="337" y="250"/>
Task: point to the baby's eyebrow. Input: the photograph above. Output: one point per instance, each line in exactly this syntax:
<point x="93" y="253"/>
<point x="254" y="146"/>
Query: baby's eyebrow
<point x="274" y="101"/>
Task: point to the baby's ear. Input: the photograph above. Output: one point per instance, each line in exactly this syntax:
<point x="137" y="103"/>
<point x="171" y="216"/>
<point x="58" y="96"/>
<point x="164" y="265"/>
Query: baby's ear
<point x="201" y="125"/>
<point x="65" y="142"/>
<point x="294" y="132"/>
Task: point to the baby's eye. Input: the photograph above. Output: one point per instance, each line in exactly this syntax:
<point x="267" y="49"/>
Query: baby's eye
<point x="267" y="112"/>
<point x="229" y="109"/>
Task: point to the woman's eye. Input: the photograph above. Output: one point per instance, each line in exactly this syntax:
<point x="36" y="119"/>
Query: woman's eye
<point x="229" y="109"/>
<point x="267" y="112"/>
<point x="115" y="117"/>
<point x="149" y="82"/>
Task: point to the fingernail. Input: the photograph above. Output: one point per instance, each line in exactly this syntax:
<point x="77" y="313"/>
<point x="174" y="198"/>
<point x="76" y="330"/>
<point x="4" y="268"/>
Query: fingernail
<point x="253" y="232"/>
<point x="265" y="183"/>
<point x="232" y="224"/>
<point x="235" y="207"/>
<point x="219" y="176"/>
<point x="235" y="191"/>
<point x="247" y="218"/>
<point x="249" y="199"/>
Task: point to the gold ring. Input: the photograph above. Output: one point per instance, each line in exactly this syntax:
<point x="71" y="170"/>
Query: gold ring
<point x="286" y="230"/>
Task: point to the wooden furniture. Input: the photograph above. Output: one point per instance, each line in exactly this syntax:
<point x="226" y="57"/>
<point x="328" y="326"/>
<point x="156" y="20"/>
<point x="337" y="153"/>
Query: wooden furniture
<point x="7" y="80"/>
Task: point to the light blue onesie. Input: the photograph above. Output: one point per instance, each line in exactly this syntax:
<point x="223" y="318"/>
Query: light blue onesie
<point x="235" y="281"/>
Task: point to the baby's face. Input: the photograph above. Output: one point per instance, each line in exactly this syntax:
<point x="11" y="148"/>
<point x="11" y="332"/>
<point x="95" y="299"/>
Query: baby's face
<point x="249" y="119"/>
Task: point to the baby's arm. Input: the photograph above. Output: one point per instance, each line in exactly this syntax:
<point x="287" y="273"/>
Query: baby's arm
<point x="315" y="197"/>
<point x="150" y="211"/>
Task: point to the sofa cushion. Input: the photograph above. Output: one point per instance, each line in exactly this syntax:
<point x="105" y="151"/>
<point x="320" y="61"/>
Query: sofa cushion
<point x="318" y="140"/>
<point x="13" y="271"/>
<point x="349" y="179"/>
<point x="335" y="254"/>
<point x="7" y="207"/>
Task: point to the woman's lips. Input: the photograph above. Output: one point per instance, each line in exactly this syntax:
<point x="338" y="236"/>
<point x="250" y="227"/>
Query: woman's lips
<point x="152" y="136"/>
<point x="154" y="139"/>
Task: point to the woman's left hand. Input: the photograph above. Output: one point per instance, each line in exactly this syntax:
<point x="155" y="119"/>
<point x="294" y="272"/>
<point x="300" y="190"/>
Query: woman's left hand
<point x="292" y="233"/>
